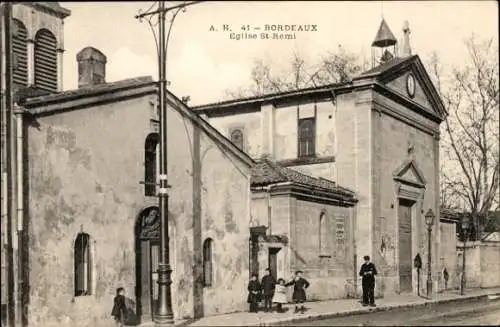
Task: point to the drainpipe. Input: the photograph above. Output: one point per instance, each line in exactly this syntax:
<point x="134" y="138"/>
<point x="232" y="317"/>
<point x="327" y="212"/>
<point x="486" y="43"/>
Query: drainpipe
<point x="20" y="211"/>
<point x="269" y="223"/>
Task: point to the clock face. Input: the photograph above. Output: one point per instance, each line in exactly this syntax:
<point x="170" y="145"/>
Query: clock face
<point x="410" y="85"/>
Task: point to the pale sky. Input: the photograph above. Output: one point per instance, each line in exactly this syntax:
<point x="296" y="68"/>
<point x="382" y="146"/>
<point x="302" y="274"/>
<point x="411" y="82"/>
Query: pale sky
<point x="203" y="64"/>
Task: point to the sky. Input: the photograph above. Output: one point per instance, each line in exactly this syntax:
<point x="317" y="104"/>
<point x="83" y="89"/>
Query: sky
<point x="203" y="62"/>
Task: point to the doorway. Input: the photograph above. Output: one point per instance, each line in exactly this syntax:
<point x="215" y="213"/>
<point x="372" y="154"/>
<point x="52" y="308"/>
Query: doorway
<point x="273" y="261"/>
<point x="405" y="245"/>
<point x="147" y="249"/>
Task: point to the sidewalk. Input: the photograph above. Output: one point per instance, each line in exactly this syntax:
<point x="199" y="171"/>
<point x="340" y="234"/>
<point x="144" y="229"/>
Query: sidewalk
<point x="333" y="308"/>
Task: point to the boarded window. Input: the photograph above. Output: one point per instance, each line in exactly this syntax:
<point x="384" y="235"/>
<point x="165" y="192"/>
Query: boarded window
<point x="46" y="60"/>
<point x="307" y="136"/>
<point x="151" y="164"/>
<point x="340" y="229"/>
<point x="83" y="265"/>
<point x="237" y="138"/>
<point x="207" y="263"/>
<point x="20" y="54"/>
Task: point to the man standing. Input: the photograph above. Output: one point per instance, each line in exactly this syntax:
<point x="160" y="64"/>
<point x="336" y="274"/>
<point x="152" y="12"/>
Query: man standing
<point x="268" y="286"/>
<point x="368" y="272"/>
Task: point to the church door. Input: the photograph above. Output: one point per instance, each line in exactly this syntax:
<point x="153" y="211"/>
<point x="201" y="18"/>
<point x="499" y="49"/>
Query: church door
<point x="405" y="253"/>
<point x="147" y="258"/>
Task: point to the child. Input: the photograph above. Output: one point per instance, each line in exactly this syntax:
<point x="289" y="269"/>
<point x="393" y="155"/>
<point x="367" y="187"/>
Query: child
<point x="254" y="293"/>
<point x="299" y="293"/>
<point x="119" y="307"/>
<point x="280" y="295"/>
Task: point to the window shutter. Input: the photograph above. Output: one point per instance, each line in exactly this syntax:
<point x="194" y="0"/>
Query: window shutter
<point x="20" y="54"/>
<point x="46" y="61"/>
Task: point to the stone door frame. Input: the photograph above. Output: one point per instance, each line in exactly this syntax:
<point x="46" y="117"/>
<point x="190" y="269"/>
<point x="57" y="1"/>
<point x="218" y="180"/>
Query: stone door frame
<point x="410" y="185"/>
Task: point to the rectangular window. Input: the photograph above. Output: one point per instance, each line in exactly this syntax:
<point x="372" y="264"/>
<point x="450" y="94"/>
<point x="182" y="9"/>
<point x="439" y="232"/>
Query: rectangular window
<point x="306" y="137"/>
<point x="83" y="265"/>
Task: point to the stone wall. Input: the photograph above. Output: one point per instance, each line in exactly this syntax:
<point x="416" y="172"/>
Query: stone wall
<point x="482" y="264"/>
<point x="330" y="269"/>
<point x="448" y="253"/>
<point x="85" y="168"/>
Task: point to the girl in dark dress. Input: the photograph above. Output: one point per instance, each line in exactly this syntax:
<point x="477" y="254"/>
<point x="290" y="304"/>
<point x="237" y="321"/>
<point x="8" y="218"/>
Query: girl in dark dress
<point x="299" y="292"/>
<point x="254" y="289"/>
<point x="119" y="307"/>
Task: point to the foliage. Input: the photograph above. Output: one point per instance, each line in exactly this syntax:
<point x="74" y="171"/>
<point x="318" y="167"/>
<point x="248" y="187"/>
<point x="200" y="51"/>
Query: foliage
<point x="335" y="67"/>
<point x="470" y="144"/>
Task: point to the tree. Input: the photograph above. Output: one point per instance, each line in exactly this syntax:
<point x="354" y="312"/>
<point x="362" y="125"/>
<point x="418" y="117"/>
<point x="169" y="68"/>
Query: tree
<point x="470" y="144"/>
<point x="334" y="67"/>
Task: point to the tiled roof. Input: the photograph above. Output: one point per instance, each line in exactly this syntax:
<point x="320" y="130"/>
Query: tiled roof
<point x="89" y="90"/>
<point x="449" y="214"/>
<point x="266" y="172"/>
<point x="386" y="66"/>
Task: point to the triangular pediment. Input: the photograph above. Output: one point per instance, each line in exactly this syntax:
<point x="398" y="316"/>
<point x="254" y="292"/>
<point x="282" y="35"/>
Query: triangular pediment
<point x="409" y="173"/>
<point x="411" y="81"/>
<point x="406" y="80"/>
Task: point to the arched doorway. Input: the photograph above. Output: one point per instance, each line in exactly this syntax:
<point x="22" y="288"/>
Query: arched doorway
<point x="147" y="247"/>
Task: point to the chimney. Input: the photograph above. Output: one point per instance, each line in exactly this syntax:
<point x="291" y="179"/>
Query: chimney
<point x="406" y="40"/>
<point x="91" y="67"/>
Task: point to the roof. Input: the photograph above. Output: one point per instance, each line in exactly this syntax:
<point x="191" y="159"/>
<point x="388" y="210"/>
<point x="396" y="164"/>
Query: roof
<point x="52" y="6"/>
<point x="88" y="91"/>
<point x="267" y="172"/>
<point x="258" y="99"/>
<point x="384" y="36"/>
<point x="90" y="95"/>
<point x="387" y="65"/>
<point x="491" y="237"/>
<point x="447" y="214"/>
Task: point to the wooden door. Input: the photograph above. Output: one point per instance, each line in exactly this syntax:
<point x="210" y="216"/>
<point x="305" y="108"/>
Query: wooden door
<point x="149" y="278"/>
<point x="405" y="251"/>
<point x="273" y="261"/>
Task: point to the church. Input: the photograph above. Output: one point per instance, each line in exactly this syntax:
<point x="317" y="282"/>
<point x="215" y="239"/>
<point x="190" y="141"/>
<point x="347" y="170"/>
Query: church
<point x="311" y="180"/>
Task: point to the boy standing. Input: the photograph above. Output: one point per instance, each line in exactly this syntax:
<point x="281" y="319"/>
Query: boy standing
<point x="368" y="272"/>
<point x="268" y="284"/>
<point x="299" y="292"/>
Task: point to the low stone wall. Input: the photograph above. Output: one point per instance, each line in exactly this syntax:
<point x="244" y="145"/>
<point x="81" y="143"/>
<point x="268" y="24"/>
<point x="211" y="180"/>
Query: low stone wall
<point x="482" y="267"/>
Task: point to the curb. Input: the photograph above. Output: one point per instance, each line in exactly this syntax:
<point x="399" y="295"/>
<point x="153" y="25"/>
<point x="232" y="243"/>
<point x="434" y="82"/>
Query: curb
<point x="321" y="316"/>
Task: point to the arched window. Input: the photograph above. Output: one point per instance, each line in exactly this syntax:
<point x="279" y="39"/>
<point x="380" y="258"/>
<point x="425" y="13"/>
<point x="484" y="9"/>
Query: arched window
<point x="323" y="234"/>
<point x="83" y="266"/>
<point x="45" y="60"/>
<point x="151" y="164"/>
<point x="20" y="52"/>
<point x="207" y="262"/>
<point x="237" y="138"/>
<point x="307" y="136"/>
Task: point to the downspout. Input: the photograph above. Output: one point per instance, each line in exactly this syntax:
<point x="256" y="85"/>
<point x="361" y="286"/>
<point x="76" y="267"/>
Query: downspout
<point x="269" y="211"/>
<point x="20" y="211"/>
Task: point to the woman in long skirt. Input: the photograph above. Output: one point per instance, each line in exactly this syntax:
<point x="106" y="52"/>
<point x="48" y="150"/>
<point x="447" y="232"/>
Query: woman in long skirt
<point x="254" y="290"/>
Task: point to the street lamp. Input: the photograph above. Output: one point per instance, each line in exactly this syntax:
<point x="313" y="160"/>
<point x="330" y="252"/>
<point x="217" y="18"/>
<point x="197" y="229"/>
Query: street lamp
<point x="164" y="314"/>
<point x="465" y="226"/>
<point x="429" y="221"/>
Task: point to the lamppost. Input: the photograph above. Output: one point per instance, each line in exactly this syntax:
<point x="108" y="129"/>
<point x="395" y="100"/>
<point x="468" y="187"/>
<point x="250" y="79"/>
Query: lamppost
<point x="164" y="314"/>
<point x="429" y="220"/>
<point x="465" y="226"/>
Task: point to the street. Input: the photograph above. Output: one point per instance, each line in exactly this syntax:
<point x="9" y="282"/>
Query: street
<point x="473" y="312"/>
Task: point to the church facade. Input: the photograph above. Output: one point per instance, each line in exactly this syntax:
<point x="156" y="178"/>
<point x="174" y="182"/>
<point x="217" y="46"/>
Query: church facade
<point x="377" y="135"/>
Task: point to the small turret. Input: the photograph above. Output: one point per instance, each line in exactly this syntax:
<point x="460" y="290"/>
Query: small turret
<point x="384" y="45"/>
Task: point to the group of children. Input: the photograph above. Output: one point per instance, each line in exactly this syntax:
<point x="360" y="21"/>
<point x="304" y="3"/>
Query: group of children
<point x="272" y="291"/>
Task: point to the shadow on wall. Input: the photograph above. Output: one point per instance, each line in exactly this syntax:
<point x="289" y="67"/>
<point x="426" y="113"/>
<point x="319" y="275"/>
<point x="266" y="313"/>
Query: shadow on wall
<point x="131" y="318"/>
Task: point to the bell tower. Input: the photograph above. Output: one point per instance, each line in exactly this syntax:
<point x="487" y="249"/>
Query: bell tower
<point x="38" y="45"/>
<point x="384" y="45"/>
